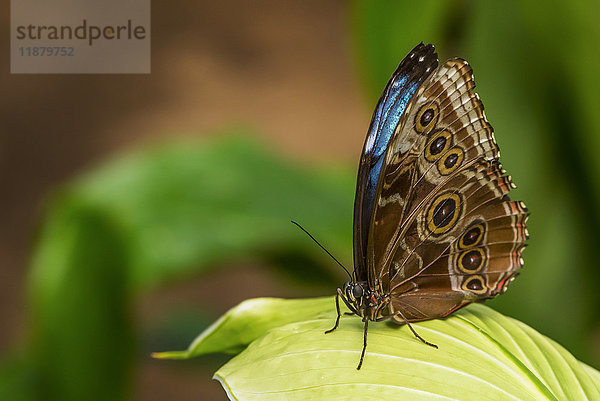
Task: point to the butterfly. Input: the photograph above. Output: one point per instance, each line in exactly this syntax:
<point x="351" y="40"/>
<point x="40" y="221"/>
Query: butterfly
<point x="434" y="228"/>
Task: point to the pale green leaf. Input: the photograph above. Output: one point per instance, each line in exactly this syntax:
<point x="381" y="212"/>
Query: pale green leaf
<point x="250" y="320"/>
<point x="481" y="352"/>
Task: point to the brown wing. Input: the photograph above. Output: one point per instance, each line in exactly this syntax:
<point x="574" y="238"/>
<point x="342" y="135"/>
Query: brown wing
<point x="464" y="245"/>
<point x="445" y="148"/>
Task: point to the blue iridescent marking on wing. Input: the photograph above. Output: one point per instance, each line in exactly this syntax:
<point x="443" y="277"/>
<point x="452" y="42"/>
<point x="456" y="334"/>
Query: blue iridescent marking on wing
<point x="388" y="114"/>
<point x="410" y="74"/>
<point x="384" y="124"/>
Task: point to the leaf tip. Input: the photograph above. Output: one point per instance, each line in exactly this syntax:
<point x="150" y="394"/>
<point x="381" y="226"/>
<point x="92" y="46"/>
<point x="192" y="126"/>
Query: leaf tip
<point x="170" y="355"/>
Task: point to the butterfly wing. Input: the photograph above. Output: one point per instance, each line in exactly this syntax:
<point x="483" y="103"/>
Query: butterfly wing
<point x="444" y="232"/>
<point x="408" y="77"/>
<point x="464" y="245"/>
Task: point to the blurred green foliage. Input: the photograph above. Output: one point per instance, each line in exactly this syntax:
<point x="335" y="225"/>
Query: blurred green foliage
<point x="171" y="211"/>
<point x="149" y="218"/>
<point x="80" y="300"/>
<point x="187" y="206"/>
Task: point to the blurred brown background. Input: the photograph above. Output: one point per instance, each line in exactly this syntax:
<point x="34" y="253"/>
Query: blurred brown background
<point x="283" y="67"/>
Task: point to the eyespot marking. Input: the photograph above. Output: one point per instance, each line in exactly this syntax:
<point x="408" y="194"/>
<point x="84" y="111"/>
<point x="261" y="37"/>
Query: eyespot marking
<point x="475" y="283"/>
<point x="472" y="261"/>
<point x="438" y="144"/>
<point x="451" y="161"/>
<point x="472" y="236"/>
<point x="426" y="118"/>
<point x="443" y="213"/>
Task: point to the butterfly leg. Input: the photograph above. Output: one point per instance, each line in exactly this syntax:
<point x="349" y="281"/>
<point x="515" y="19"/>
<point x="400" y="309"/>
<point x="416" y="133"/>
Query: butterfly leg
<point x="362" y="354"/>
<point x="337" y="307"/>
<point x="414" y="332"/>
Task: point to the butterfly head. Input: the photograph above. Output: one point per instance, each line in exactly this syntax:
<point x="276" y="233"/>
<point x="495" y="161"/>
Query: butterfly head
<point x="354" y="291"/>
<point x="363" y="301"/>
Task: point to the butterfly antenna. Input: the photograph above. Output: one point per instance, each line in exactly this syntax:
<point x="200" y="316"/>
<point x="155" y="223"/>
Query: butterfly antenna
<point x="323" y="248"/>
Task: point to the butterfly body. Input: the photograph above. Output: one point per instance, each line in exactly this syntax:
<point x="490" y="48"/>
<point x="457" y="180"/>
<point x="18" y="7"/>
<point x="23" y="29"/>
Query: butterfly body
<point x="364" y="302"/>
<point x="434" y="229"/>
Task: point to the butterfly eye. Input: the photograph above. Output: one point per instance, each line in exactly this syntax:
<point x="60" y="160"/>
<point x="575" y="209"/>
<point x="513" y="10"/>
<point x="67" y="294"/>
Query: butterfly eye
<point x="357" y="291"/>
<point x="426" y="118"/>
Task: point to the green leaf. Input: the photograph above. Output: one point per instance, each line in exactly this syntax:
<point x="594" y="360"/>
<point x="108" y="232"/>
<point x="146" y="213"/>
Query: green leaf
<point x="480" y="352"/>
<point x="248" y="321"/>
